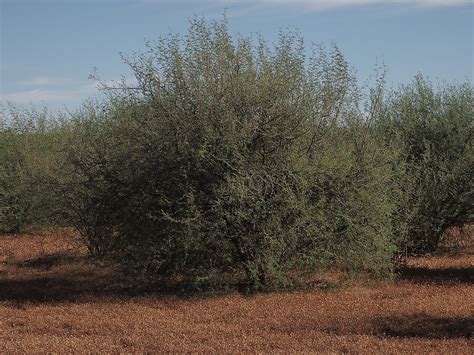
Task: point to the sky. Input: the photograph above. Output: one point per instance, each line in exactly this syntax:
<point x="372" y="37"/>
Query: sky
<point x="48" y="48"/>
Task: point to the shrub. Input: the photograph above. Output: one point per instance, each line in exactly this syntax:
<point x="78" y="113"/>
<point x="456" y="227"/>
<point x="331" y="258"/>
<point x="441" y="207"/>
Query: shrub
<point x="231" y="157"/>
<point x="29" y="147"/>
<point x="433" y="131"/>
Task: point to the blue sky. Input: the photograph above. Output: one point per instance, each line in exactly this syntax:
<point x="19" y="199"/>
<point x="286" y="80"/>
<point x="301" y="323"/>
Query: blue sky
<point x="49" y="47"/>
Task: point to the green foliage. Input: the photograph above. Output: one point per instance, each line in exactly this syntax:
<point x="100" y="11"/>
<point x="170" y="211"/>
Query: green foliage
<point x="433" y="132"/>
<point x="29" y="146"/>
<point x="232" y="157"/>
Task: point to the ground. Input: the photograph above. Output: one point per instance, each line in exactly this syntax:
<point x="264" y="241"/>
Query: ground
<point x="53" y="299"/>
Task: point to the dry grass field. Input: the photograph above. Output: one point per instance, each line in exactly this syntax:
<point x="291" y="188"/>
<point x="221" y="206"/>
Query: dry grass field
<point x="52" y="299"/>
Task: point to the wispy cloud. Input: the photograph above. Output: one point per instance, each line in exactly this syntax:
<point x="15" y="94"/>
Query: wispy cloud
<point x="249" y="7"/>
<point x="326" y="3"/>
<point x="317" y="5"/>
<point x="239" y="8"/>
<point x="307" y="4"/>
<point x="44" y="81"/>
<point x="37" y="95"/>
<point x="43" y="90"/>
<point x="42" y="95"/>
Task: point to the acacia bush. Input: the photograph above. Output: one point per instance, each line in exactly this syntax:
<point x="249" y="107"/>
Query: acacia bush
<point x="232" y="157"/>
<point x="433" y="131"/>
<point x="29" y="147"/>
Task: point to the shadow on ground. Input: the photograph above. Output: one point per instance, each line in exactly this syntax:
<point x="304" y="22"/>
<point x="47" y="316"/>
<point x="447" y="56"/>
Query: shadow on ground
<point x="418" y="325"/>
<point x="60" y="288"/>
<point x="437" y="275"/>
<point x="49" y="261"/>
<point x="70" y="278"/>
<point x="425" y="326"/>
<point x="62" y="277"/>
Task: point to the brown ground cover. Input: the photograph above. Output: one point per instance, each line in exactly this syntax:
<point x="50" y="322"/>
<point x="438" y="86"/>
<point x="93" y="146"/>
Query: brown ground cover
<point x="52" y="299"/>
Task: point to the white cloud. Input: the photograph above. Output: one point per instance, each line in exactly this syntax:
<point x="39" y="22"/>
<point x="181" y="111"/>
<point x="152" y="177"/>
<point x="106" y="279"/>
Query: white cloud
<point x="308" y="4"/>
<point x="42" y="95"/>
<point x="249" y="7"/>
<point x="46" y="91"/>
<point x="327" y="4"/>
<point x="36" y="95"/>
<point x="44" y="81"/>
<point x="443" y="2"/>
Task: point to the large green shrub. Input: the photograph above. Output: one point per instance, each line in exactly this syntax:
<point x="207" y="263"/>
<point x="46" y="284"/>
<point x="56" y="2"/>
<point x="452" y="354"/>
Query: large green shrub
<point x="432" y="129"/>
<point x="231" y="157"/>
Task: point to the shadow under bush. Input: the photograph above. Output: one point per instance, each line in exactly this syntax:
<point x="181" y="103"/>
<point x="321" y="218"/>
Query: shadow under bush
<point x="437" y="275"/>
<point x="425" y="326"/>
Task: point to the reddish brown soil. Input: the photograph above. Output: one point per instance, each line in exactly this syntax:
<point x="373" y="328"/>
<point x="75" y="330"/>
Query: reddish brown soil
<point x="53" y="300"/>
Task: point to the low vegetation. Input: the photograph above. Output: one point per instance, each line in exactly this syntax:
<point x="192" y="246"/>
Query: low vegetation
<point x="234" y="159"/>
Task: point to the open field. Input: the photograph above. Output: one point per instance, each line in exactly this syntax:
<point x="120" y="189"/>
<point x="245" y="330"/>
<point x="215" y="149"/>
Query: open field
<point x="53" y="299"/>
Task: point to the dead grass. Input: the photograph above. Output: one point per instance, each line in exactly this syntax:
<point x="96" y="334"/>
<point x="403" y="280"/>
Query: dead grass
<point x="53" y="299"/>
